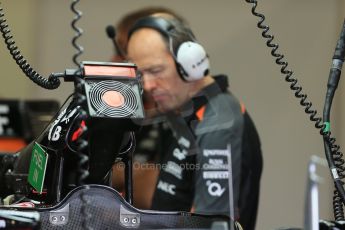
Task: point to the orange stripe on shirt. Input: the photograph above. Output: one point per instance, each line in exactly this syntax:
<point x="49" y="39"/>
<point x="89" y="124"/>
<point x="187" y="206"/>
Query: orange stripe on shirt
<point x="243" y="108"/>
<point x="200" y="113"/>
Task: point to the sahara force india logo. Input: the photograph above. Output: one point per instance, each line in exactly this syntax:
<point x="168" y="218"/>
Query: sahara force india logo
<point x="214" y="188"/>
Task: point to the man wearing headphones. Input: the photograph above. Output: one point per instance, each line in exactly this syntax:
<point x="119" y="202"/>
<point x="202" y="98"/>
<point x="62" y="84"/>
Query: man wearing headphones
<point x="151" y="136"/>
<point x="202" y="165"/>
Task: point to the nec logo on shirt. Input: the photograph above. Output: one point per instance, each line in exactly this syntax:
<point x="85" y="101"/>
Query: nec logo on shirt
<point x="166" y="187"/>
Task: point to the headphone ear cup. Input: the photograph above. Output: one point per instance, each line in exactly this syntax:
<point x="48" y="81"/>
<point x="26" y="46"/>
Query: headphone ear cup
<point x="192" y="61"/>
<point x="181" y="71"/>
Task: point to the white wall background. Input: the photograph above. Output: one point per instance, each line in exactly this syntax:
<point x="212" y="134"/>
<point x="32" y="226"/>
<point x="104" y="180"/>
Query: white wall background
<point x="306" y="30"/>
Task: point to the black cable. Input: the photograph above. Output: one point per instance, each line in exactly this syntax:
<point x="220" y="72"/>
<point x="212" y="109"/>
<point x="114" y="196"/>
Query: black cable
<point x="82" y="143"/>
<point x="333" y="150"/>
<point x="78" y="31"/>
<point x="333" y="80"/>
<point x="82" y="151"/>
<point x="307" y="105"/>
<point x="51" y="83"/>
<point x="79" y="96"/>
<point x="294" y="86"/>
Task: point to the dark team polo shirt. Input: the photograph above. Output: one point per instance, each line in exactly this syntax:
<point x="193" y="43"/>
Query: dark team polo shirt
<point x="195" y="165"/>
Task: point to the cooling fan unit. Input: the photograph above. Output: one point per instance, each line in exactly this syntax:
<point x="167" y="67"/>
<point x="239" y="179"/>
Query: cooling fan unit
<point x="113" y="90"/>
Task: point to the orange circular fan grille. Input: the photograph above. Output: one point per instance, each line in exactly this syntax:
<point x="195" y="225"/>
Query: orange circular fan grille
<point x="113" y="99"/>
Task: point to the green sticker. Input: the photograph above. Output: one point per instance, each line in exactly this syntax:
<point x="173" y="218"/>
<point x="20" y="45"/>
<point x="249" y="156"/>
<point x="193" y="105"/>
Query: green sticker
<point x="327" y="127"/>
<point x="38" y="164"/>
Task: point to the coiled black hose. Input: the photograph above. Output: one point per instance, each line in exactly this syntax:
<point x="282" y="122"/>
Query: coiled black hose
<point x="78" y="33"/>
<point x="51" y="83"/>
<point x="82" y="144"/>
<point x="334" y="157"/>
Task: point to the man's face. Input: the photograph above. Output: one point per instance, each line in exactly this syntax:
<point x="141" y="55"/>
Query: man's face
<point x="147" y="49"/>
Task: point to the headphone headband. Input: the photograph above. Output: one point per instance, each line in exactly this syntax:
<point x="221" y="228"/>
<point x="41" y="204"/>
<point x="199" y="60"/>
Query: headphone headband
<point x="156" y="23"/>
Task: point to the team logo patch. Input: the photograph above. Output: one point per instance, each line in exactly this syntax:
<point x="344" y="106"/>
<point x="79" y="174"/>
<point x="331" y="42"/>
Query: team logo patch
<point x="214" y="188"/>
<point x="166" y="187"/>
<point x="174" y="169"/>
<point x="184" y="142"/>
<point x="216" y="152"/>
<point x="180" y="155"/>
<point x="215" y="174"/>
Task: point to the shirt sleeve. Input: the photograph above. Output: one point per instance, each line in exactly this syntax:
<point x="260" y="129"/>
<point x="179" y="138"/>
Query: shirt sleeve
<point x="217" y="183"/>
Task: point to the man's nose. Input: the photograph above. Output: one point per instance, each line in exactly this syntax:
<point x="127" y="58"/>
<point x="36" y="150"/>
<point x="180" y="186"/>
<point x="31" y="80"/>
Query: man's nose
<point x="149" y="83"/>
